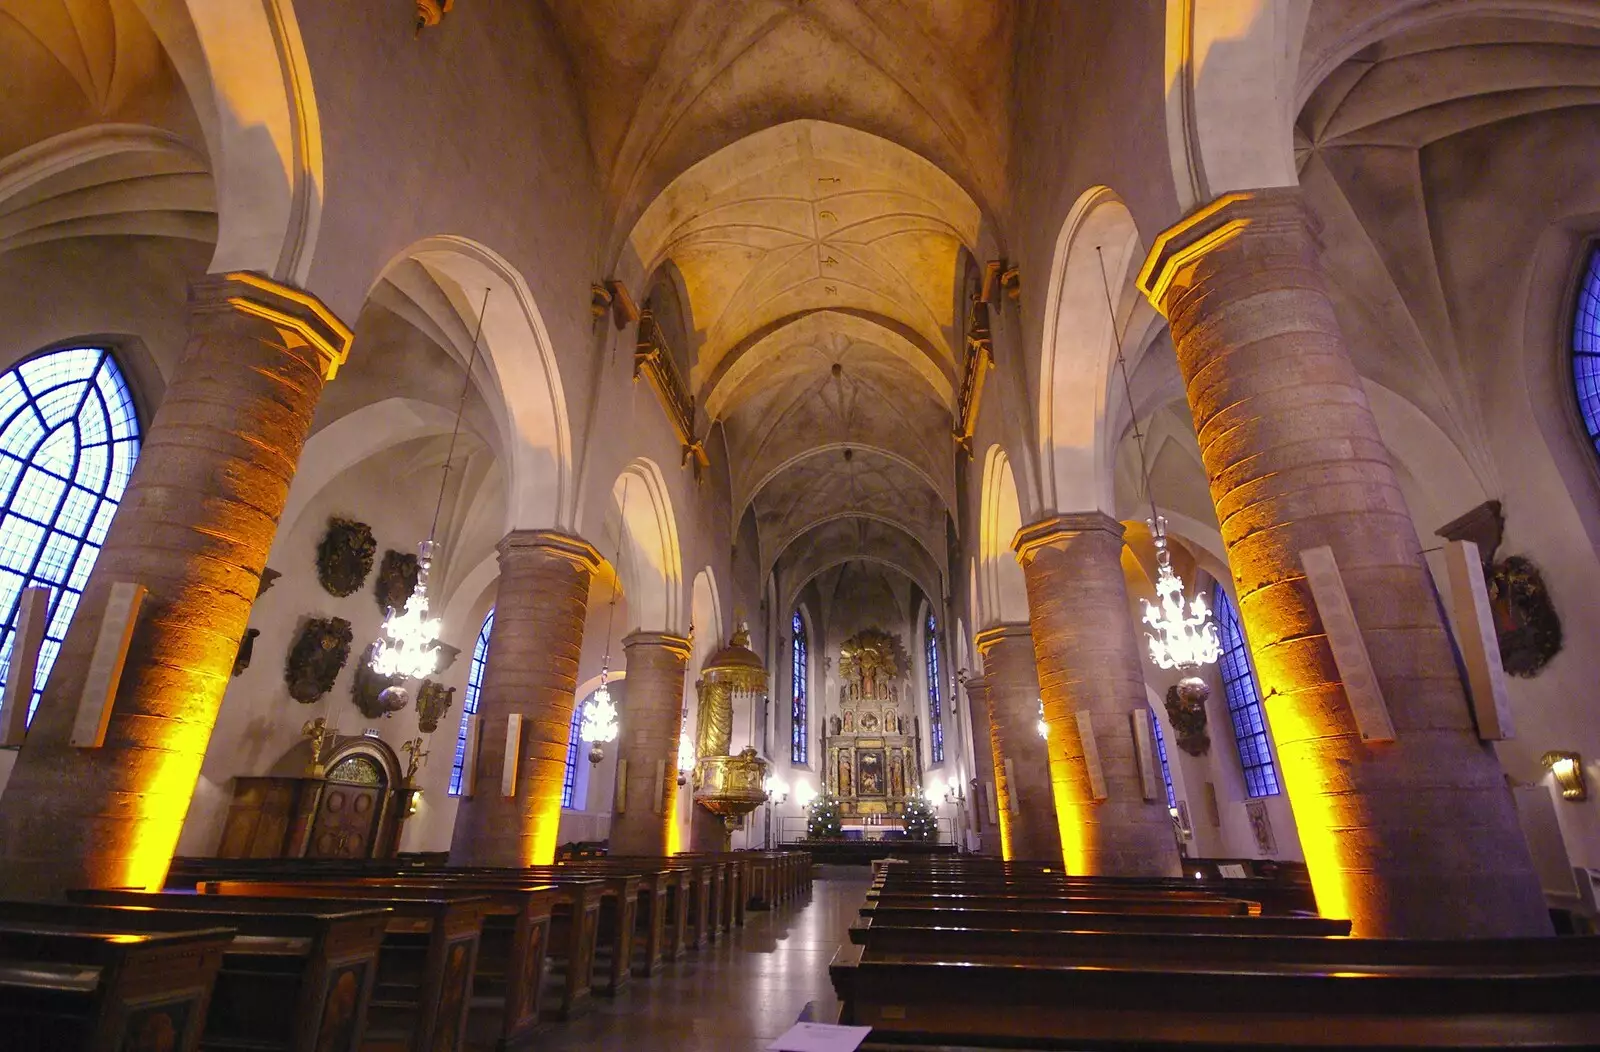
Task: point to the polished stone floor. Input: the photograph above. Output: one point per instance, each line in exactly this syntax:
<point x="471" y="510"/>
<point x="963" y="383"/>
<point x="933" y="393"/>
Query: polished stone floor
<point x="737" y="995"/>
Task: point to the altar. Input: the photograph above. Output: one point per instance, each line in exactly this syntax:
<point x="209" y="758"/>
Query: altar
<point x="873" y="759"/>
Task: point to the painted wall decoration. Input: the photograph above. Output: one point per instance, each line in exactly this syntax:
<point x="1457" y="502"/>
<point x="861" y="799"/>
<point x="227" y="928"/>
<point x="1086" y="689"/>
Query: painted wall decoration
<point x="344" y="556"/>
<point x="319" y="652"/>
<point x="871" y="771"/>
<point x="1525" y="620"/>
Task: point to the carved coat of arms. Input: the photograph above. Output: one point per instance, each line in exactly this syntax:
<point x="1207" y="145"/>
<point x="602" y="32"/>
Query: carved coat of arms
<point x="397" y="579"/>
<point x="319" y="652"/>
<point x="344" y="556"/>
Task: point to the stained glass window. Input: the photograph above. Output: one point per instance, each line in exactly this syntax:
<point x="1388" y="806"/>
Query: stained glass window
<point x="799" y="751"/>
<point x="469" y="705"/>
<point x="569" y="779"/>
<point x="68" y="439"/>
<point x="1244" y="702"/>
<point x="935" y="710"/>
<point x="1586" y="348"/>
<point x="1161" y="754"/>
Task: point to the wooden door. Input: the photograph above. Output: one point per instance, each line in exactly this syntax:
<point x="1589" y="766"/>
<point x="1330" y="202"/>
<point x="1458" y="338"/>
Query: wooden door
<point x="347" y="816"/>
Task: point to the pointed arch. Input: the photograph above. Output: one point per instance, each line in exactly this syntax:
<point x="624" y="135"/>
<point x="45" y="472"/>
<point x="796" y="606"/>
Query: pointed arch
<point x="651" y="563"/>
<point x="1001" y="590"/>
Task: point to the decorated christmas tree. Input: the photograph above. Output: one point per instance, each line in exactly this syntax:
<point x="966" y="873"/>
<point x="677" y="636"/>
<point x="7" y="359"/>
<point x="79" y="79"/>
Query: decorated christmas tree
<point x="823" y="823"/>
<point x="920" y="823"/>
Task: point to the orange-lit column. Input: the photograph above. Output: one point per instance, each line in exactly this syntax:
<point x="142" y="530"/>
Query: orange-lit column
<point x="651" y="718"/>
<point x="1088" y="661"/>
<point x="1021" y="766"/>
<point x="532" y="671"/>
<point x="1416" y="837"/>
<point x="194" y="528"/>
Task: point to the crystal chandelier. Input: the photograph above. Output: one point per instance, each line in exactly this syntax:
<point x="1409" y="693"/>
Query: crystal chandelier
<point x="599" y="719"/>
<point x="685" y="756"/>
<point x="407" y="646"/>
<point x="1044" y="728"/>
<point x="1183" y="636"/>
<point x="600" y="712"/>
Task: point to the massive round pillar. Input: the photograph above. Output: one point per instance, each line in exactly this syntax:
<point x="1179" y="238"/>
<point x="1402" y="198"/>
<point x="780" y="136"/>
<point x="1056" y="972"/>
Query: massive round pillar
<point x="1091" y="676"/>
<point x="1021" y="766"/>
<point x="194" y="529"/>
<point x="1414" y="837"/>
<point x="513" y="815"/>
<point x="652" y="717"/>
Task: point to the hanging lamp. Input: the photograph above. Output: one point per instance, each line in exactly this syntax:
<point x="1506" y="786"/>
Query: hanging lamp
<point x="1182" y="635"/>
<point x="599" y="724"/>
<point x="408" y="644"/>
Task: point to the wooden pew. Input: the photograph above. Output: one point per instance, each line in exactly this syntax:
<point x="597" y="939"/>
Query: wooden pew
<point x="507" y="897"/>
<point x="663" y="896"/>
<point x="426" y="962"/>
<point x="292" y="981"/>
<point x="1009" y="1002"/>
<point x="1084" y="903"/>
<point x="1002" y="919"/>
<point x="71" y="989"/>
<point x="1273" y="896"/>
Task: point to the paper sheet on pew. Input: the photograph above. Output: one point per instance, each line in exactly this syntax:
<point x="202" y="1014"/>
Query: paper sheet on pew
<point x="820" y="1037"/>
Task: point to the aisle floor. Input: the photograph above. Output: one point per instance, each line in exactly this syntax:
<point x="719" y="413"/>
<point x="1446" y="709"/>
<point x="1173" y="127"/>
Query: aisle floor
<point x="737" y="995"/>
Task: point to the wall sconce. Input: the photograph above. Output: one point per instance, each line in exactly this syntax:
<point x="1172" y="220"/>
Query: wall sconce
<point x="777" y="790"/>
<point x="1567" y="767"/>
<point x="804" y="794"/>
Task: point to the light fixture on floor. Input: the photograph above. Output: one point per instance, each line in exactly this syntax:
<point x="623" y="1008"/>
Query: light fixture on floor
<point x="1567" y="768"/>
<point x="1182" y="635"/>
<point x="407" y="646"/>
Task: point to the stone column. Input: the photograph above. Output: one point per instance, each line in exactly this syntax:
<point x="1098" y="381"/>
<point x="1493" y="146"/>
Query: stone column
<point x="983" y="768"/>
<point x="1415" y="837"/>
<point x="651" y="721"/>
<point x="532" y="670"/>
<point x="1088" y="657"/>
<point x="194" y="528"/>
<point x="1022" y="787"/>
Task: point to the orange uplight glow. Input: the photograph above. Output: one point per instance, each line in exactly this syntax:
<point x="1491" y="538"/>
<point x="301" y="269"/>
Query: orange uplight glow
<point x="1304" y="779"/>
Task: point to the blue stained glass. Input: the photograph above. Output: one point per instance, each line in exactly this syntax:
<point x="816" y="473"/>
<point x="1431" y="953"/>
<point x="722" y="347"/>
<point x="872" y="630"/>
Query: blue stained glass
<point x="1244" y="701"/>
<point x="1586" y="347"/>
<point x="935" y="709"/>
<point x="799" y="736"/>
<point x="1161" y="754"/>
<point x="569" y="778"/>
<point x="60" y="410"/>
<point x="469" y="703"/>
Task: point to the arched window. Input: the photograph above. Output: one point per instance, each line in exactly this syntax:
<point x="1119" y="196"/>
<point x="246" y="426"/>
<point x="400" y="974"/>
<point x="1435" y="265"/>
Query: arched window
<point x="1244" y="703"/>
<point x="469" y="704"/>
<point x="1586" y="348"/>
<point x="68" y="440"/>
<point x="569" y="779"/>
<point x="799" y="752"/>
<point x="935" y="713"/>
<point x="1161" y="754"/>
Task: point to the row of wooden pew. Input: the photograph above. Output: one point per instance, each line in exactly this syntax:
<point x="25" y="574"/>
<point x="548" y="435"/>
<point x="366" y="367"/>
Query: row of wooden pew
<point x="369" y="956"/>
<point x="979" y="953"/>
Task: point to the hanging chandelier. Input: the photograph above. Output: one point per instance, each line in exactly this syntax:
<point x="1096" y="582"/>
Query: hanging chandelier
<point x="599" y="724"/>
<point x="1183" y="635"/>
<point x="685" y="756"/>
<point x="408" y="644"/>
<point x="599" y="719"/>
<point x="1044" y="728"/>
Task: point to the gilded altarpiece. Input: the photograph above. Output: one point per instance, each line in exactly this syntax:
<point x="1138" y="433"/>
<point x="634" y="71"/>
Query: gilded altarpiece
<point x="874" y="764"/>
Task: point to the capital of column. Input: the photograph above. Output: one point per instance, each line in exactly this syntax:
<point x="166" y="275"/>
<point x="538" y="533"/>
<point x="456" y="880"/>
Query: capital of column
<point x="520" y="545"/>
<point x="1045" y="532"/>
<point x="1171" y="265"/>
<point x="994" y="635"/>
<point x="292" y="311"/>
<point x="678" y="646"/>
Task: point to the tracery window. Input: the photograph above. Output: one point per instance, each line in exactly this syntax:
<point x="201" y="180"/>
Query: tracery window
<point x="799" y="751"/>
<point x="1166" y="770"/>
<point x="569" y="778"/>
<point x="1586" y="348"/>
<point x="1244" y="702"/>
<point x="469" y="704"/>
<point x="935" y="709"/>
<point x="69" y="437"/>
